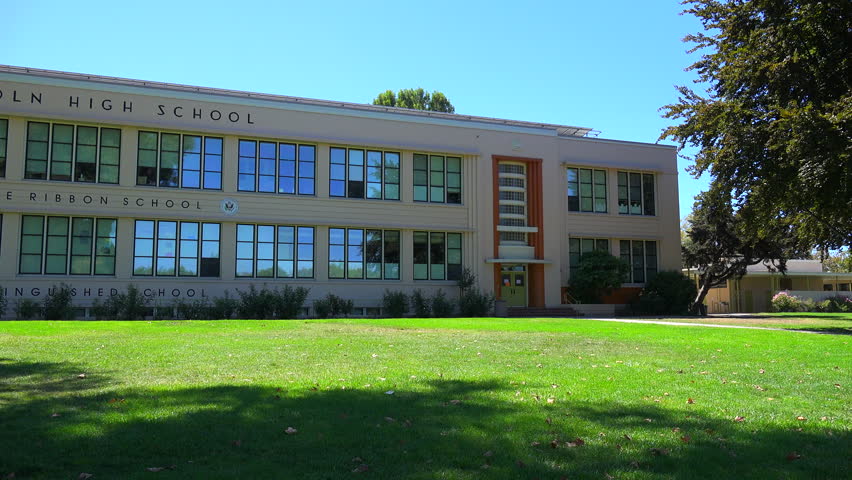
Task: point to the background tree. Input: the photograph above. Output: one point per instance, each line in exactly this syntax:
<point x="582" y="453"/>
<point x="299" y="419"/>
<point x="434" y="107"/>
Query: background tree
<point x="774" y="127"/>
<point x="415" y="98"/>
<point x="721" y="245"/>
<point x="838" y="262"/>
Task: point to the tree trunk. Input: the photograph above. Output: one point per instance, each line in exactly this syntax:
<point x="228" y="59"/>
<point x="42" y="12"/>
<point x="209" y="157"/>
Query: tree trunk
<point x="703" y="289"/>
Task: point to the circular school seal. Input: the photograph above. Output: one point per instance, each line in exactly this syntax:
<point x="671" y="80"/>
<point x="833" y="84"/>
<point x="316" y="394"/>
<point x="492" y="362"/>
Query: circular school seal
<point x="229" y="206"/>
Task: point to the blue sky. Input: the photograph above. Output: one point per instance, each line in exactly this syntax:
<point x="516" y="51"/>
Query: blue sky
<point x="609" y="65"/>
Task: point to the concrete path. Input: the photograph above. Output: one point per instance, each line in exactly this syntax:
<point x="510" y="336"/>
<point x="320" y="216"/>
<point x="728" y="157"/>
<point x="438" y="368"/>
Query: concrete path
<point x="686" y="324"/>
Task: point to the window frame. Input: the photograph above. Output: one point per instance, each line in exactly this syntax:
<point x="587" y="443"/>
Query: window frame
<point x="4" y="145"/>
<point x="304" y="170"/>
<point x="68" y="239"/>
<point x="449" y="270"/>
<point x="73" y="148"/>
<point x="435" y="179"/>
<point x="573" y="265"/>
<point x="575" y="202"/>
<point x="627" y="192"/>
<point x="179" y="244"/>
<point x="364" y="168"/>
<point x="382" y="248"/>
<point x="297" y="246"/>
<point x="629" y="255"/>
<point x="180" y="153"/>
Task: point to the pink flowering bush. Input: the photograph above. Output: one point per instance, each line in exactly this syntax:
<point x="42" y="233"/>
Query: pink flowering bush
<point x="784" y="302"/>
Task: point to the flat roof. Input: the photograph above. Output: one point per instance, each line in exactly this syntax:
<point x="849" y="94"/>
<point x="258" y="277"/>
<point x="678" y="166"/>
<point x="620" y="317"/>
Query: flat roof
<point x="558" y="130"/>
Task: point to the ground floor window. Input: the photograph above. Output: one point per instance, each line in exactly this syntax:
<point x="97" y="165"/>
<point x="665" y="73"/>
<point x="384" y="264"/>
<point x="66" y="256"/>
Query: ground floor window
<point x="437" y="256"/>
<point x="363" y="253"/>
<point x="578" y="246"/>
<point x="275" y="251"/>
<point x="642" y="257"/>
<point x="168" y="248"/>
<point x="63" y="245"/>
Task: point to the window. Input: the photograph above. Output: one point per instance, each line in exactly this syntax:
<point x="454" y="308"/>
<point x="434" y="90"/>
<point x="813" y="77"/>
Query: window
<point x="177" y="160"/>
<point x="642" y="258"/>
<point x="4" y="136"/>
<point x="785" y="283"/>
<point x="273" y="167"/>
<point x="63" y="245"/>
<point x="586" y="190"/>
<point x="275" y="251"/>
<point x="168" y="248"/>
<point x="437" y="256"/>
<point x="356" y="173"/>
<point x="636" y="193"/>
<point x="578" y="246"/>
<point x="363" y="253"/>
<point x="437" y="178"/>
<point x="69" y="153"/>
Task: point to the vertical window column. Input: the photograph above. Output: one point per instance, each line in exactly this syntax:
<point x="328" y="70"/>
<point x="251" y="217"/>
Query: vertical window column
<point x="4" y="136"/>
<point x="61" y="151"/>
<point x="110" y="155"/>
<point x="437" y="256"/>
<point x="32" y="244"/>
<point x="636" y="193"/>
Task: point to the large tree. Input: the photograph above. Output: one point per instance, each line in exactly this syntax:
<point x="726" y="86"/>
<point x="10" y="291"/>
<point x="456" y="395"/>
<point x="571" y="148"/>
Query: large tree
<point x="773" y="128"/>
<point x="415" y="98"/>
<point x="721" y="245"/>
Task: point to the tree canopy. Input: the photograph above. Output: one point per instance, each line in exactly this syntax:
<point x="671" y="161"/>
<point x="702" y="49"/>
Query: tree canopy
<point x="415" y="98"/>
<point x="773" y="129"/>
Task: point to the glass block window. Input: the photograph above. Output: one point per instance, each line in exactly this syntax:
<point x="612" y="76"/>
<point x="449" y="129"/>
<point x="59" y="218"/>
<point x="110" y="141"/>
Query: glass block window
<point x="642" y="258"/>
<point x="636" y="193"/>
<point x="586" y="190"/>
<point x="276" y="167"/>
<point x="437" y="178"/>
<point x="171" y="248"/>
<point x="69" y="153"/>
<point x="275" y="251"/>
<point x="67" y="245"/>
<point x="4" y="137"/>
<point x="437" y="256"/>
<point x="358" y="173"/>
<point x="356" y="253"/>
<point x="578" y="246"/>
<point x="177" y="160"/>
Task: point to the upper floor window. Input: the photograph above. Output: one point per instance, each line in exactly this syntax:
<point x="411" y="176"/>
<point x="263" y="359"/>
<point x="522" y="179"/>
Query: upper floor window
<point x="168" y="248"/>
<point x="276" y="167"/>
<point x="275" y="251"/>
<point x="4" y="135"/>
<point x="178" y="160"/>
<point x="363" y="253"/>
<point x="63" y="245"/>
<point x="437" y="178"/>
<point x="642" y="258"/>
<point x="437" y="256"/>
<point x="636" y="193"/>
<point x="579" y="246"/>
<point x="75" y="153"/>
<point x="357" y="173"/>
<point x="586" y="190"/>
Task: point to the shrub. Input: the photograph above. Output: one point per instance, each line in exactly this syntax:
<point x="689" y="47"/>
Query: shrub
<point x="163" y="311"/>
<point x="668" y="293"/>
<point x="441" y="307"/>
<point x="835" y="304"/>
<point x="57" y="304"/>
<point x="128" y="305"/>
<point x="474" y="303"/>
<point x="289" y="301"/>
<point x="254" y="303"/>
<point x="395" y="304"/>
<point x="331" y="306"/>
<point x="223" y="308"/>
<point x="784" y="302"/>
<point x="597" y="275"/>
<point x="3" y="303"/>
<point x="26" y="309"/>
<point x="200" y="309"/>
<point x="421" y="304"/>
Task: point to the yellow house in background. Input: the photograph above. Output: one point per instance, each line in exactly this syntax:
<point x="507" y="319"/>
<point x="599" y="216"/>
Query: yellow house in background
<point x="753" y="292"/>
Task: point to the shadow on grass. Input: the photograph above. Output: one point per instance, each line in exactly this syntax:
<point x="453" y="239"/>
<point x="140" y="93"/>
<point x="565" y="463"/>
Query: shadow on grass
<point x="57" y="426"/>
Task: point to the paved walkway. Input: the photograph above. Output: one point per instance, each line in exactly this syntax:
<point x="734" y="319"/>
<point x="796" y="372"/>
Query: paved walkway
<point x="687" y="324"/>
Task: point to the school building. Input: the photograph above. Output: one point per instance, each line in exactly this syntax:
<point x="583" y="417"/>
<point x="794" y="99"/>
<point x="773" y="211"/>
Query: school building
<point x="187" y="192"/>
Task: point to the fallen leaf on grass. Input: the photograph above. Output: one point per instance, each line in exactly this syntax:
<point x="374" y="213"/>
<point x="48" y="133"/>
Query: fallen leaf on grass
<point x="793" y="456"/>
<point x="54" y="415"/>
<point x="739" y="419"/>
<point x="801" y="418"/>
<point x="361" y="468"/>
<point x="84" y="476"/>
<point x="659" y="451"/>
<point x="389" y="392"/>
<point x="291" y="431"/>
<point x="82" y="375"/>
<point x="554" y="443"/>
<point x="762" y="371"/>
<point x="628" y="437"/>
<point x="685" y="439"/>
<point x="489" y="453"/>
<point x="690" y="401"/>
<point x="455" y="402"/>
<point x="160" y="469"/>
<point x="578" y="442"/>
<point x="535" y="444"/>
<point x="548" y="421"/>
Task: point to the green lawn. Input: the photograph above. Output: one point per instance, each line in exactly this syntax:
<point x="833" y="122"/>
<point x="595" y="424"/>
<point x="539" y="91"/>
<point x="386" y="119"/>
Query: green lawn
<point x="838" y="323"/>
<point x="421" y="399"/>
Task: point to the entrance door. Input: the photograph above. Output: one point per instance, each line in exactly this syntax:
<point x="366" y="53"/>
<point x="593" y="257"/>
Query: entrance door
<point x="513" y="287"/>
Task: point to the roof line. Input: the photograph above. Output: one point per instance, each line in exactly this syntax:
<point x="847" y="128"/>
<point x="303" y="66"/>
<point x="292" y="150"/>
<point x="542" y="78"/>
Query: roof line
<point x="560" y="130"/>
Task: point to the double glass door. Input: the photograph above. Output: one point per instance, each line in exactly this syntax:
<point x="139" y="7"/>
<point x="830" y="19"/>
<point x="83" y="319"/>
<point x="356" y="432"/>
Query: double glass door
<point x="513" y="285"/>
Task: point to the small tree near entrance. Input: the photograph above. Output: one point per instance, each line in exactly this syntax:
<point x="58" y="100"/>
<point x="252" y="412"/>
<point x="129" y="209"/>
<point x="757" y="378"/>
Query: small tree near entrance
<point x="598" y="274"/>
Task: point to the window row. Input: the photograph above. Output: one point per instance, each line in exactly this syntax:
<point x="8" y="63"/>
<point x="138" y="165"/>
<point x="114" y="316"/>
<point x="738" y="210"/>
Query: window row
<point x="275" y="251"/>
<point x="179" y="160"/>
<point x="67" y="245"/>
<point x="356" y="173"/>
<point x="167" y="248"/>
<point x="640" y="255"/>
<point x="74" y="153"/>
<point x="276" y="167"/>
<point x="587" y="192"/>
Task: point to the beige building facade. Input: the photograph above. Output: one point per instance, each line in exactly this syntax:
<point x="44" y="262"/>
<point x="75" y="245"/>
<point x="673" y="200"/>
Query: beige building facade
<point x="190" y="192"/>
